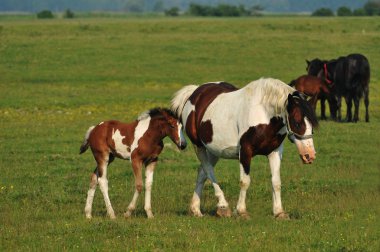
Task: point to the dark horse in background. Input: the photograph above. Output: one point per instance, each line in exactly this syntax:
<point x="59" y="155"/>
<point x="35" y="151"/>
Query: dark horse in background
<point x="316" y="88"/>
<point x="349" y="77"/>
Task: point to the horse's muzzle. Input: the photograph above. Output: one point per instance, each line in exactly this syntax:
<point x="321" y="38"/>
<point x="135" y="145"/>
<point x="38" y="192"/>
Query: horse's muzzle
<point x="307" y="158"/>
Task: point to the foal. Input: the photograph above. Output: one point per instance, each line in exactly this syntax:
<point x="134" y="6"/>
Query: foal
<point x="315" y="88"/>
<point x="141" y="142"/>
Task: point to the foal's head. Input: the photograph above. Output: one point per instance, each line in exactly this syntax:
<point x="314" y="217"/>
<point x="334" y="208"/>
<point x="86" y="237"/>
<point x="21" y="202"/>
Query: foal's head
<point x="301" y="120"/>
<point x="170" y="126"/>
<point x="314" y="66"/>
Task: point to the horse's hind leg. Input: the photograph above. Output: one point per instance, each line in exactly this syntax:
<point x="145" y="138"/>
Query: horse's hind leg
<point x="366" y="103"/>
<point x="356" y="112"/>
<point x="195" y="205"/>
<point x="208" y="161"/>
<point x="348" y="99"/>
<point x="323" y="108"/>
<point x="103" y="182"/>
<point x="137" y="171"/>
<point x="91" y="194"/>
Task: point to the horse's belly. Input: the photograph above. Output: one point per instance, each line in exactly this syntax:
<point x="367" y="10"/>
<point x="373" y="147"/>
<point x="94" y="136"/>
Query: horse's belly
<point x="228" y="151"/>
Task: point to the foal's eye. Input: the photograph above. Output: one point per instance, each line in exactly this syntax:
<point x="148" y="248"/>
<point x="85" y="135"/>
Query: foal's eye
<point x="172" y="126"/>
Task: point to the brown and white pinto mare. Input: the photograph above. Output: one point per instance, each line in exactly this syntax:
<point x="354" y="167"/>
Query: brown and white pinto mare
<point x="223" y="121"/>
<point x="141" y="142"/>
<point x="316" y="89"/>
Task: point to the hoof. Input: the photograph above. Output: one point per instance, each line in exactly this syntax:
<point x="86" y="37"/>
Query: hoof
<point x="112" y="217"/>
<point x="282" y="216"/>
<point x="223" y="212"/>
<point x="88" y="216"/>
<point x="244" y="215"/>
<point x="127" y="214"/>
<point x="196" y="213"/>
<point x="150" y="215"/>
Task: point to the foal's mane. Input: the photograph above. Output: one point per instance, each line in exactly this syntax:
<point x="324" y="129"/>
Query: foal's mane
<point x="156" y="113"/>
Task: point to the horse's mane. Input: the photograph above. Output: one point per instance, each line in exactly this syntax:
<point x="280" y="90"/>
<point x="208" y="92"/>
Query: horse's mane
<point x="156" y="112"/>
<point x="272" y="92"/>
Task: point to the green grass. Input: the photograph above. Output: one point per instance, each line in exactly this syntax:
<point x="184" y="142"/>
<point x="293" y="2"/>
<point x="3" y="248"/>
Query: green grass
<point x="58" y="77"/>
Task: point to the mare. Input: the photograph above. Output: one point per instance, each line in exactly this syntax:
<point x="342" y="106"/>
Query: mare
<point x="349" y="77"/>
<point x="141" y="142"/>
<point x="223" y="121"/>
<point x="315" y="88"/>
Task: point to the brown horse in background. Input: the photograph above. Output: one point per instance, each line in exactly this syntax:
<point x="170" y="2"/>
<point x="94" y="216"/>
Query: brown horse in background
<point x="316" y="88"/>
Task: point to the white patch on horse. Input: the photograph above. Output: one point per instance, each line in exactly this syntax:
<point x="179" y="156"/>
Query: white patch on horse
<point x="141" y="128"/>
<point x="187" y="109"/>
<point x="120" y="148"/>
<point x="100" y="123"/>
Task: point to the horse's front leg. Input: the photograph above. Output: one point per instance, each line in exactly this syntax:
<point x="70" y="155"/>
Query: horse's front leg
<point x="149" y="170"/>
<point x="275" y="164"/>
<point x="245" y="157"/>
<point x="137" y="171"/>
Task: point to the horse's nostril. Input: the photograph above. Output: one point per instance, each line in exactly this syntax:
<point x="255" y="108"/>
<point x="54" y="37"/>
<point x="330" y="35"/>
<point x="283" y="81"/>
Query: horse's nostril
<point x="307" y="156"/>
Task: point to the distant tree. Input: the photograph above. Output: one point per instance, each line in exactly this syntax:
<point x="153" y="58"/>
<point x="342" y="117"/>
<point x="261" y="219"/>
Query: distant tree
<point x="359" y="12"/>
<point x="200" y="10"/>
<point x="323" y="12"/>
<point x="173" y="12"/>
<point x="68" y="14"/>
<point x="45" y="14"/>
<point x="372" y="8"/>
<point x="344" y="11"/>
<point x="134" y="6"/>
<point x="158" y="6"/>
<point x="256" y="10"/>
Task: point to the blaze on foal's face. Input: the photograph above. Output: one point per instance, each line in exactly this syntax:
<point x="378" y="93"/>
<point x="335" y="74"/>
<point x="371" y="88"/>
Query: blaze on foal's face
<point x="175" y="131"/>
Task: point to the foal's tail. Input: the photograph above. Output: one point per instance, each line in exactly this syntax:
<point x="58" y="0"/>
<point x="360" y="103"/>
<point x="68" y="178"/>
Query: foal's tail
<point x="180" y="97"/>
<point x="85" y="144"/>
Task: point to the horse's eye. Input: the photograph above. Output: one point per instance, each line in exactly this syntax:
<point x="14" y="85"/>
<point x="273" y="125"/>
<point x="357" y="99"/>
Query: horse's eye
<point x="172" y="126"/>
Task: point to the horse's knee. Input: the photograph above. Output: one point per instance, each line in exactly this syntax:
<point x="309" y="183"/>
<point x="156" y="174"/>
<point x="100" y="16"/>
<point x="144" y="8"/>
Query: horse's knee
<point x="139" y="187"/>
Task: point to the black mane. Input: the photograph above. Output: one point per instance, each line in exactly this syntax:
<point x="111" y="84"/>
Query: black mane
<point x="156" y="112"/>
<point x="306" y="109"/>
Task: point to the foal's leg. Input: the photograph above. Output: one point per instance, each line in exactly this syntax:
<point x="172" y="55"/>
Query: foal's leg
<point x="275" y="163"/>
<point x="137" y="171"/>
<point x="208" y="161"/>
<point x="103" y="182"/>
<point x="149" y="170"/>
<point x="91" y="194"/>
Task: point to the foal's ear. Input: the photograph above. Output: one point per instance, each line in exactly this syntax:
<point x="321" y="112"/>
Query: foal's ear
<point x="307" y="62"/>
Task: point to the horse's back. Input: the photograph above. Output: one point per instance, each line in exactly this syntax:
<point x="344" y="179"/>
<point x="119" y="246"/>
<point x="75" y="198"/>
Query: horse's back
<point x="201" y="98"/>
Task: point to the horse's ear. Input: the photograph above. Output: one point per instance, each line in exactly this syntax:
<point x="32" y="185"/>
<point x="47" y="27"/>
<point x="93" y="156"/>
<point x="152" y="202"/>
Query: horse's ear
<point x="290" y="99"/>
<point x="307" y="62"/>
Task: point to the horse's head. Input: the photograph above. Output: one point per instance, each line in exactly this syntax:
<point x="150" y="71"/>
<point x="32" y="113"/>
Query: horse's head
<point x="301" y="119"/>
<point x="314" y="66"/>
<point x="174" y="128"/>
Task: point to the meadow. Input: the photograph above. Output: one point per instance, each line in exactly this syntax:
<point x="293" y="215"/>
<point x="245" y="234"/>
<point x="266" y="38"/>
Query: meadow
<point x="58" y="77"/>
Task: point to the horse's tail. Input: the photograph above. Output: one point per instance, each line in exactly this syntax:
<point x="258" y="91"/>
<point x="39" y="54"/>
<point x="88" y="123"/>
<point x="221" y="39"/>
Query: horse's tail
<point x="180" y="97"/>
<point x="292" y="83"/>
<point x="85" y="143"/>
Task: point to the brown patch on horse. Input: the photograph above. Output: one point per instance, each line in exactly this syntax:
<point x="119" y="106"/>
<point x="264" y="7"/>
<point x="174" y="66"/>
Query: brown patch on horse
<point x="205" y="132"/>
<point x="261" y="139"/>
<point x="201" y="98"/>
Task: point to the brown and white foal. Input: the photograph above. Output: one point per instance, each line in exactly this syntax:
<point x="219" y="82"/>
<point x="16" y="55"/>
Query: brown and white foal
<point x="141" y="142"/>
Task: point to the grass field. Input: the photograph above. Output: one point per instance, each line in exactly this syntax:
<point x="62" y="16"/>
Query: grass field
<point x="58" y="77"/>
